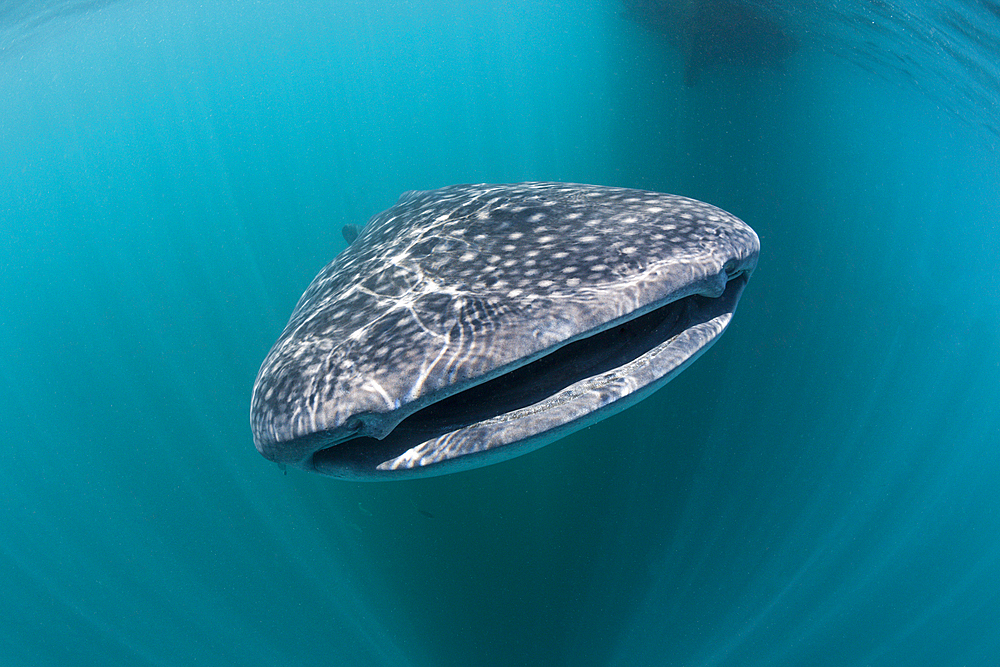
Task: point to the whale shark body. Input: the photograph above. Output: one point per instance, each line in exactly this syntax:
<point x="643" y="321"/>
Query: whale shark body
<point x="474" y="323"/>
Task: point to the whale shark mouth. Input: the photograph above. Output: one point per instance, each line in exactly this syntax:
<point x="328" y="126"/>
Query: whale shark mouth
<point x="526" y="407"/>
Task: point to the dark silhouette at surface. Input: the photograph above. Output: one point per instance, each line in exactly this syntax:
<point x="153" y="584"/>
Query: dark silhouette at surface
<point x="717" y="33"/>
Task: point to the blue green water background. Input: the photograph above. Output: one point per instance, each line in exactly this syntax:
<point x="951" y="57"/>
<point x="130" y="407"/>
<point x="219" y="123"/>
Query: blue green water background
<point x="821" y="488"/>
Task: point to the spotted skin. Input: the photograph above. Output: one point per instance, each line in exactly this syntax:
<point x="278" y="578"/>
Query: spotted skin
<point x="450" y="288"/>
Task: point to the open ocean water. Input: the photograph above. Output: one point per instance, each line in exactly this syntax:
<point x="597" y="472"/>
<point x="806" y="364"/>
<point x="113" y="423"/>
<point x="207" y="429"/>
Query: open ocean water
<point x="821" y="488"/>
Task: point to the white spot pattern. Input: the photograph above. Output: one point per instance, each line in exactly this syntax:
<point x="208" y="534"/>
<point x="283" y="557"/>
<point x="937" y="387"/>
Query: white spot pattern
<point x="456" y="284"/>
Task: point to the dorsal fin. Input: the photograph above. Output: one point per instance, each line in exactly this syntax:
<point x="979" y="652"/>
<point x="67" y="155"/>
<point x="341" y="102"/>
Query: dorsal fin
<point x="350" y="233"/>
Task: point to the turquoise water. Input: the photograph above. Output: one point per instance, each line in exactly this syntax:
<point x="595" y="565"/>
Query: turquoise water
<point x="821" y="488"/>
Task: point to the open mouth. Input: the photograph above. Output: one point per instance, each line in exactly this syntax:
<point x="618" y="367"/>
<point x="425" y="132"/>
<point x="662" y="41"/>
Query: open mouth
<point x="546" y="384"/>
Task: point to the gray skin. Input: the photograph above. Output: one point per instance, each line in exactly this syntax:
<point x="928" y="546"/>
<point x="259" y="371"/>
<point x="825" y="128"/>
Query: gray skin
<point x="475" y="323"/>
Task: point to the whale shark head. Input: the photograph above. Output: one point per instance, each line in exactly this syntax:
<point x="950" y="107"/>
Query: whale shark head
<point x="474" y="323"/>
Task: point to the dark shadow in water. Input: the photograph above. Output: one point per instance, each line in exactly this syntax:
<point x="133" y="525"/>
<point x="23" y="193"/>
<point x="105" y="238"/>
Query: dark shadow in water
<point x="713" y="34"/>
<point x="21" y="21"/>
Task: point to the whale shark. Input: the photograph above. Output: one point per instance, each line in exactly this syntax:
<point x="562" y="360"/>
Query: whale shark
<point x="471" y="324"/>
